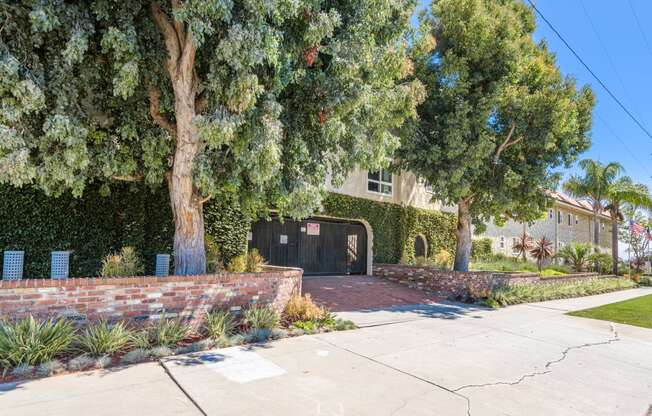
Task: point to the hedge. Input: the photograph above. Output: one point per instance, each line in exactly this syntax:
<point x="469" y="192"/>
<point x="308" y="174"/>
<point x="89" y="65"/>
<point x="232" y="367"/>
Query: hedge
<point x="395" y="227"/>
<point x="96" y="225"/>
<point x="481" y="248"/>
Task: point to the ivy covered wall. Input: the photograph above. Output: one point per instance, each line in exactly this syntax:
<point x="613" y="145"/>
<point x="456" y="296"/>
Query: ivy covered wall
<point x="395" y="227"/>
<point x="96" y="225"/>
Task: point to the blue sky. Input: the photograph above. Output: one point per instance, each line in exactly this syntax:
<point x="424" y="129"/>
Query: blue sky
<point x="606" y="35"/>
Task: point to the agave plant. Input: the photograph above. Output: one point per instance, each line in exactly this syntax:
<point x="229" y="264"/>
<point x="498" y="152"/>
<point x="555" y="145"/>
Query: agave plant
<point x="30" y="341"/>
<point x="523" y="245"/>
<point x="541" y="251"/>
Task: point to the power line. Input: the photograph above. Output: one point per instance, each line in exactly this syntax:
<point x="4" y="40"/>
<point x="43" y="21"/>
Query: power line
<point x="622" y="106"/>
<point x="611" y="61"/>
<point x="613" y="133"/>
<point x="640" y="27"/>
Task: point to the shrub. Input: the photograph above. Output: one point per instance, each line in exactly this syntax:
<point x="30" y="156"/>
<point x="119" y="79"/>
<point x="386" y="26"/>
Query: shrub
<point x="33" y="342"/>
<point x="302" y="308"/>
<point x="481" y="248"/>
<point x="238" y="264"/>
<point x="237" y="339"/>
<point x="255" y="261"/>
<point x="344" y="325"/>
<point x="261" y="317"/>
<point x="103" y="361"/>
<point x="202" y="345"/>
<point x="444" y="259"/>
<point x="423" y="261"/>
<point x="576" y="254"/>
<point x="49" y="368"/>
<point x="541" y="251"/>
<point x="308" y="327"/>
<point x="22" y="370"/>
<point x="141" y="339"/>
<point x="646" y="281"/>
<point x="551" y="273"/>
<point x="601" y="262"/>
<point x="219" y="324"/>
<point x="104" y="339"/>
<point x="81" y="362"/>
<point x="161" y="351"/>
<point x="214" y="262"/>
<point x="169" y="332"/>
<point x="124" y="263"/>
<point x="257" y="334"/>
<point x="521" y="293"/>
<point x="135" y="356"/>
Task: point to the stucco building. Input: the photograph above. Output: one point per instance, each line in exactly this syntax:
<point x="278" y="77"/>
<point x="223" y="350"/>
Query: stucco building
<point x="345" y="241"/>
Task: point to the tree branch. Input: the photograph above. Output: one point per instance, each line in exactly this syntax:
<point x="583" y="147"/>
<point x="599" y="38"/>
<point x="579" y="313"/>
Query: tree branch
<point x="204" y="200"/>
<point x="178" y="25"/>
<point x="187" y="62"/>
<point x="169" y="36"/>
<point x="506" y="143"/>
<point x="154" y="111"/>
<point x="132" y="178"/>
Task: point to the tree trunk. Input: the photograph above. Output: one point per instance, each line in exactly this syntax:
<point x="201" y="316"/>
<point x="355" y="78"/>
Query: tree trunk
<point x="463" y="233"/>
<point x="189" y="253"/>
<point x="596" y="229"/>
<point x="614" y="242"/>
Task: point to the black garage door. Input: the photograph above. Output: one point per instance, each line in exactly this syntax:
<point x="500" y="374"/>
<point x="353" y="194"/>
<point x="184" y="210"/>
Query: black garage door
<point x="318" y="246"/>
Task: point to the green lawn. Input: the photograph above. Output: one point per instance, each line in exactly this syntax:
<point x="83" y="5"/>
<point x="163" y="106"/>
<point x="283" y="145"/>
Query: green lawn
<point x="637" y="311"/>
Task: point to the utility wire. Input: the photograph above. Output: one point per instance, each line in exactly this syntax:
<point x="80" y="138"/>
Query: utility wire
<point x="620" y="104"/>
<point x="640" y="28"/>
<point x="632" y="154"/>
<point x="611" y="61"/>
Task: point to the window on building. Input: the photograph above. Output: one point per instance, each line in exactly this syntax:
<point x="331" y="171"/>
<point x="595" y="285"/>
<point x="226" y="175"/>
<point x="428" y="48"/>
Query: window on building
<point x="501" y="242"/>
<point x="559" y="217"/>
<point x="577" y="219"/>
<point x="570" y="219"/>
<point x="380" y="182"/>
<point x="551" y="214"/>
<point x="514" y="244"/>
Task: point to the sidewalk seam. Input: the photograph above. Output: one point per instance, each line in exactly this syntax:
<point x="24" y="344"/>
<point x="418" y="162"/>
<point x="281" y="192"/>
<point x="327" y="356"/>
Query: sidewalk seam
<point x="176" y="382"/>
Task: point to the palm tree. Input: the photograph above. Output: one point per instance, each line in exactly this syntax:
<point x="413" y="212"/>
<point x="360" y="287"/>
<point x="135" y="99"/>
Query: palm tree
<point x="624" y="191"/>
<point x="577" y="255"/>
<point x="523" y="244"/>
<point x="541" y="251"/>
<point x="594" y="186"/>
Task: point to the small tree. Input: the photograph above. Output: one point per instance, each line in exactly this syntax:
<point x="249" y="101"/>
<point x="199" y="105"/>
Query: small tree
<point x="541" y="251"/>
<point x="260" y="100"/>
<point x="577" y="255"/>
<point x="523" y="245"/>
<point x="499" y="116"/>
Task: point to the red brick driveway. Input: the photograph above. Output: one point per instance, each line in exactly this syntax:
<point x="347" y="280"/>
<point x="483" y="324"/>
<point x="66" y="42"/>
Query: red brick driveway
<point x="351" y="293"/>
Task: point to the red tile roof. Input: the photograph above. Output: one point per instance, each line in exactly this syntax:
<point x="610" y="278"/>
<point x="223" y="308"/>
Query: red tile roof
<point x="577" y="203"/>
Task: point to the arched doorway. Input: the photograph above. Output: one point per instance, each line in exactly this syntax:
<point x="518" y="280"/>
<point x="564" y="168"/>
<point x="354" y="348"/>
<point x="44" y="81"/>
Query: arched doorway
<point x="420" y="246"/>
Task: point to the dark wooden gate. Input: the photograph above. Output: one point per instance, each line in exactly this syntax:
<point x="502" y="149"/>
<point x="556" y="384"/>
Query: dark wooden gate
<point x="318" y="246"/>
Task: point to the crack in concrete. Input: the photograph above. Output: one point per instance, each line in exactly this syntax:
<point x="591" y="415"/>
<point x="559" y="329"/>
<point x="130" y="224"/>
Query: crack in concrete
<point x="564" y="355"/>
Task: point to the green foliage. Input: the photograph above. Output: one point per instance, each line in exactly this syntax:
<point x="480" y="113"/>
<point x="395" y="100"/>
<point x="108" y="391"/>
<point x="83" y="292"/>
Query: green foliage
<point x="498" y="115"/>
<point x="522" y="293"/>
<point x="551" y="273"/>
<point x="169" y="332"/>
<point x="286" y="93"/>
<point x="124" y="263"/>
<point x="238" y="264"/>
<point x="94" y="225"/>
<point x="541" y="251"/>
<point x="395" y="227"/>
<point x="576" y="254"/>
<point x="255" y="261"/>
<point x="213" y="255"/>
<point x="308" y="327"/>
<point x="135" y="356"/>
<point x="261" y="317"/>
<point x="102" y="338"/>
<point x="81" y="362"/>
<point x="481" y="248"/>
<point x="32" y="342"/>
<point x="443" y="259"/>
<point x="219" y="324"/>
<point x="504" y="265"/>
<point x="50" y="368"/>
<point x="250" y="262"/>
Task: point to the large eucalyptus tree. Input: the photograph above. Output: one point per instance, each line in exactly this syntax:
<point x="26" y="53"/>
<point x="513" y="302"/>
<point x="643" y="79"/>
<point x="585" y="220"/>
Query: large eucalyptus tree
<point x="254" y="98"/>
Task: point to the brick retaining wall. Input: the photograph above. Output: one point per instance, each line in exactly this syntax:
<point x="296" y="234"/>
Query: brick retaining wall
<point x="147" y="297"/>
<point x="462" y="285"/>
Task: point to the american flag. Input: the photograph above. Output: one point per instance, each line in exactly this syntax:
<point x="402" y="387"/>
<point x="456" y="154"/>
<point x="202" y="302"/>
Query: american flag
<point x="635" y="228"/>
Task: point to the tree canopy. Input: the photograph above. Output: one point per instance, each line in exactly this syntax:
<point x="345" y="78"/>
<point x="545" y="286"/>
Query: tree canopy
<point x="248" y="98"/>
<point x="498" y="118"/>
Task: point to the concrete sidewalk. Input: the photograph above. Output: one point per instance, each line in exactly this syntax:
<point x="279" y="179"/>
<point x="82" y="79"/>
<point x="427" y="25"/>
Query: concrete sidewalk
<point x="442" y="359"/>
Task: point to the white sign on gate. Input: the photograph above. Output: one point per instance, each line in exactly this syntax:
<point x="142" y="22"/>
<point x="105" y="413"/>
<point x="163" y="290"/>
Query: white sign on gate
<point x="284" y="239"/>
<point x="312" y="228"/>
